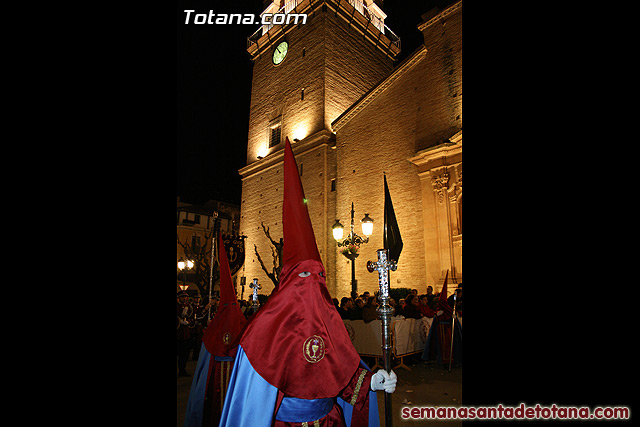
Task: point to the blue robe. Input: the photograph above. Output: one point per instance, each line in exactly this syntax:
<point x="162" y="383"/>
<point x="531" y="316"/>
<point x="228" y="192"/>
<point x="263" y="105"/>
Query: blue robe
<point x="251" y="401"/>
<point x="195" y="405"/>
<point x="433" y="342"/>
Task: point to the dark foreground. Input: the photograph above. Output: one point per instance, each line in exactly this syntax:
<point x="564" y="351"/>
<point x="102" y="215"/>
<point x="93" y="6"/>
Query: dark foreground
<point x="425" y="385"/>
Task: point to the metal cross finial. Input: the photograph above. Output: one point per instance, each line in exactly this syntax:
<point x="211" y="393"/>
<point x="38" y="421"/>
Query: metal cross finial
<point x="383" y="265"/>
<point x="255" y="286"/>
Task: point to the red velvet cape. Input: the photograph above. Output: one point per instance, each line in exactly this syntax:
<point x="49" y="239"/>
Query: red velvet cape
<point x="297" y="341"/>
<point x="279" y="340"/>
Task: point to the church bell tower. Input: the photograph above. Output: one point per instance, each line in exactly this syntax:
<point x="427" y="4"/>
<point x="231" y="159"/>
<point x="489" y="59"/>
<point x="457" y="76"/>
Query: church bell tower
<point x="311" y="61"/>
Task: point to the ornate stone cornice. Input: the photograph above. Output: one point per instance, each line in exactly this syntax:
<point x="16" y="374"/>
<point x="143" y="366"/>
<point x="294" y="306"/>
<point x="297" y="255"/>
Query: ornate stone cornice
<point x="448" y="153"/>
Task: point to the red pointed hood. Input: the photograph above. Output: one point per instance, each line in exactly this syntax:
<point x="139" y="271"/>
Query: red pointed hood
<point x="299" y="239"/>
<point x="220" y="336"/>
<point x="297" y="341"/>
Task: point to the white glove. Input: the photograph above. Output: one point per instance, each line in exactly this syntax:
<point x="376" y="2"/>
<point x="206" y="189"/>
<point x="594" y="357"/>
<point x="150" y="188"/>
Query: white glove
<point x="382" y="380"/>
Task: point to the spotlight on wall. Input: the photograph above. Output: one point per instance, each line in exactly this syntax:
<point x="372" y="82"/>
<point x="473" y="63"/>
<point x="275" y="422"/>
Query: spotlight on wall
<point x="262" y="152"/>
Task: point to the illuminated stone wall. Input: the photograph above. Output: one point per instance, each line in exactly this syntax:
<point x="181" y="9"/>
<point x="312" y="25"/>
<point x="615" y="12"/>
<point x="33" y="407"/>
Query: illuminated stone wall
<point x="409" y="126"/>
<point x="358" y="119"/>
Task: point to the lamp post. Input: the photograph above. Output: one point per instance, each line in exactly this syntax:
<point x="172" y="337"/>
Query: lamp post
<point x="183" y="266"/>
<point x="352" y="242"/>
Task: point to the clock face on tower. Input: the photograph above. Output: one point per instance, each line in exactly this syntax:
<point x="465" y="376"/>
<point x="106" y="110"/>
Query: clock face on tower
<point x="280" y="53"/>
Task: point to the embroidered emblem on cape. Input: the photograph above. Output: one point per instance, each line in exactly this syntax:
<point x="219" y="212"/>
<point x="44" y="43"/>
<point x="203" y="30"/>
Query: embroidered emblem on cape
<point x="226" y="338"/>
<point x="313" y="349"/>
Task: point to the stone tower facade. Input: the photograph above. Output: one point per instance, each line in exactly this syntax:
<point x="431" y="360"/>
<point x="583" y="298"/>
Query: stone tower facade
<point x="351" y="116"/>
<point x="331" y="61"/>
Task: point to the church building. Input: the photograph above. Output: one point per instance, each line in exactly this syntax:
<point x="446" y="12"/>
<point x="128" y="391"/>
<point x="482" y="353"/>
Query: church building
<point x="330" y="85"/>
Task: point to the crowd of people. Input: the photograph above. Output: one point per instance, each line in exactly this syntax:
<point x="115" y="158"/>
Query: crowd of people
<point x="193" y="316"/>
<point x="413" y="306"/>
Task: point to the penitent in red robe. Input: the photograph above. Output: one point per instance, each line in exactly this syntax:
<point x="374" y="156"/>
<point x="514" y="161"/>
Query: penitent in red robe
<point x="217" y="354"/>
<point x="296" y="365"/>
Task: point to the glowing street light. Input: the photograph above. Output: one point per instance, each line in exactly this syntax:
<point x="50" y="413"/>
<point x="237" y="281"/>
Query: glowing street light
<point x="352" y="243"/>
<point x="184" y="266"/>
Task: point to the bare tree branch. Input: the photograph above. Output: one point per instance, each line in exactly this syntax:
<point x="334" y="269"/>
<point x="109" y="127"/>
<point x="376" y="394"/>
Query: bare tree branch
<point x="276" y="253"/>
<point x="271" y="275"/>
<point x="266" y="232"/>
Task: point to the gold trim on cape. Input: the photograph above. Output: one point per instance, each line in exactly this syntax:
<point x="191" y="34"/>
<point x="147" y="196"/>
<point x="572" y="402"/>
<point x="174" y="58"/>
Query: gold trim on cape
<point x="354" y="398"/>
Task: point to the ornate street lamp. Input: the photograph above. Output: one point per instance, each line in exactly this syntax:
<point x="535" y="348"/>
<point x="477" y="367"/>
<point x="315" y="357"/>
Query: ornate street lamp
<point x="183" y="266"/>
<point x="352" y="243"/>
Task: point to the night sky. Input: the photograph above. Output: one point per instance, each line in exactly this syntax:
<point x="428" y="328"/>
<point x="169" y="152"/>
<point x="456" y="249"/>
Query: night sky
<point x="214" y="92"/>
